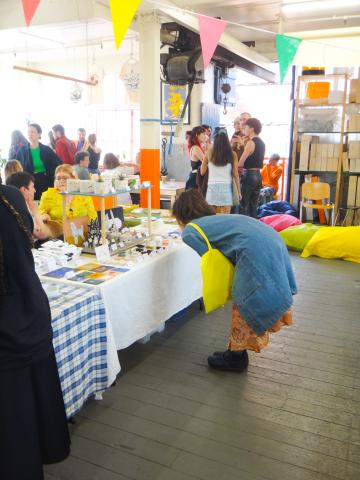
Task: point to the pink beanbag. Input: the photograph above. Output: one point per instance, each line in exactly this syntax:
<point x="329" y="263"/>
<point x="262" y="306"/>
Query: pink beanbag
<point x="280" y="221"/>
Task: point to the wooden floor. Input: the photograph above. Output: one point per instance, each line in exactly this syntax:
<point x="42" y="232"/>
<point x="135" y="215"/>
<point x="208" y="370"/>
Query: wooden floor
<point x="295" y="415"/>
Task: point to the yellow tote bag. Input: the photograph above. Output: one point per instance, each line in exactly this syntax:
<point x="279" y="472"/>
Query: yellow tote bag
<point x="217" y="274"/>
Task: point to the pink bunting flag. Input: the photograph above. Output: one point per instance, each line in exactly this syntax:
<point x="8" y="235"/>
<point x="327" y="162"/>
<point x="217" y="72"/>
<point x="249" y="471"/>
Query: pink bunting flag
<point x="210" y="32"/>
<point x="30" y="7"/>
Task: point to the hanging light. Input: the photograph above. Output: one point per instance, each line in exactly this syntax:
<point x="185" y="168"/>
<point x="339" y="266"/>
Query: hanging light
<point x="75" y="92"/>
<point x="130" y="75"/>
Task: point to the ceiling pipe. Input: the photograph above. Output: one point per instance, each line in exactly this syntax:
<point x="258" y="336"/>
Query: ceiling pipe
<point x="92" y="83"/>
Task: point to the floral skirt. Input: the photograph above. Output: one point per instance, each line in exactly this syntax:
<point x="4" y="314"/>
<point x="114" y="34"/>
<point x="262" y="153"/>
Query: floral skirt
<point x="242" y="337"/>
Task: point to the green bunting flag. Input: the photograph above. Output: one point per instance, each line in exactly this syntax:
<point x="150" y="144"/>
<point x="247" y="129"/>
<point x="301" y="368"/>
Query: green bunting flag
<point x="286" y="49"/>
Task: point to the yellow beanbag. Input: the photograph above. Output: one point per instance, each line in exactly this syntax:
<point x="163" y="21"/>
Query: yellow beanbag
<point x="335" y="242"/>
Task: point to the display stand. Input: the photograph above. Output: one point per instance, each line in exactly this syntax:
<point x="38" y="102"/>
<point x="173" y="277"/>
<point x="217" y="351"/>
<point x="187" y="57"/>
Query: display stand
<point x="102" y="206"/>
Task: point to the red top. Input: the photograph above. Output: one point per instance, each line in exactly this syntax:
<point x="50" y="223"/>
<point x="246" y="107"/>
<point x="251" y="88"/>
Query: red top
<point x="65" y="150"/>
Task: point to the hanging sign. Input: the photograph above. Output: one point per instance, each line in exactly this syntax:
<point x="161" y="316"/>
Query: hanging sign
<point x="29" y="7"/>
<point x="286" y="48"/>
<point x="210" y="30"/>
<point x="122" y="14"/>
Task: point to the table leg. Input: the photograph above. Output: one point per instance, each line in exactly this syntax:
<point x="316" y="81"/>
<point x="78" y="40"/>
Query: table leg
<point x="64" y="214"/>
<point x="103" y="221"/>
<point x="149" y="210"/>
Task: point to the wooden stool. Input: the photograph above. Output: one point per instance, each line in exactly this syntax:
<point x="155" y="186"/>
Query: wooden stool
<point x="354" y="211"/>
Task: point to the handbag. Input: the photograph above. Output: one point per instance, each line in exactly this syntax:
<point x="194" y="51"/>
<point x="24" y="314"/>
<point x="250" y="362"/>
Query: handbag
<point x="217" y="275"/>
<point x="235" y="193"/>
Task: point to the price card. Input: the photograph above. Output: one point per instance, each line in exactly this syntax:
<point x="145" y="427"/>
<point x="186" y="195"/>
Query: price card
<point x="102" y="253"/>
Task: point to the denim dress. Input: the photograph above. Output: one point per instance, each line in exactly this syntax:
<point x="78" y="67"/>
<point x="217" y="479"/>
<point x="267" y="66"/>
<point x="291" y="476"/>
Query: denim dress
<point x="264" y="281"/>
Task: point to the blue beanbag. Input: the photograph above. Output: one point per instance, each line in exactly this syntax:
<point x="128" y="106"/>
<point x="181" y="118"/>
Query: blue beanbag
<point x="275" y="207"/>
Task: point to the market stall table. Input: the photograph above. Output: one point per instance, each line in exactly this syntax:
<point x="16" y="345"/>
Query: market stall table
<point x="139" y="302"/>
<point x="85" y="352"/>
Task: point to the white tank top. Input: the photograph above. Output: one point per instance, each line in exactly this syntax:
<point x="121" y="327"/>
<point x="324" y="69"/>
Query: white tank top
<point x="219" y="174"/>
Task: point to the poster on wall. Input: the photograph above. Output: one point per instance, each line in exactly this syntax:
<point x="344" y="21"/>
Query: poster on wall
<point x="172" y="103"/>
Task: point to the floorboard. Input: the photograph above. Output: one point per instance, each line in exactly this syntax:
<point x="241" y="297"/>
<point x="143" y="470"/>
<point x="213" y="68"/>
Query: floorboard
<point x="294" y="415"/>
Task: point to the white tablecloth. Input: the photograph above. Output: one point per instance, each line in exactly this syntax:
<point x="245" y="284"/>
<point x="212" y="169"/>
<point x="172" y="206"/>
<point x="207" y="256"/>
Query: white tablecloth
<point x="140" y="301"/>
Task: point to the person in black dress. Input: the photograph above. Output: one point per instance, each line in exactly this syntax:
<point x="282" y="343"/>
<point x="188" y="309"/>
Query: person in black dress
<point x="33" y="426"/>
<point x="251" y="160"/>
<point x="94" y="154"/>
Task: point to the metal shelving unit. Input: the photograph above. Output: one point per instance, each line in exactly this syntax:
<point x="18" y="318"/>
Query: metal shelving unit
<point x="300" y="104"/>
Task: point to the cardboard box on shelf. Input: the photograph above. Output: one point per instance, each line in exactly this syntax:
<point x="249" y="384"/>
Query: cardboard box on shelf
<point x="354" y="149"/>
<point x="345" y="162"/>
<point x="352" y="164"/>
<point x="354" y="123"/>
<point x="351" y="197"/>
<point x="354" y="95"/>
<point x="324" y="156"/>
<point x="357" y="199"/>
<point x="333" y="164"/>
<point x="304" y="155"/>
<point x="357" y="165"/>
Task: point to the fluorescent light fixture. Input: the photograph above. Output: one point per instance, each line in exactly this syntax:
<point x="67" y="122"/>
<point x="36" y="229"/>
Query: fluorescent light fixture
<point x="307" y="6"/>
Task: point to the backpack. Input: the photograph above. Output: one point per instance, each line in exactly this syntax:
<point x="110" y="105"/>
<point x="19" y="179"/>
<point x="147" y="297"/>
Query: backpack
<point x="217" y="275"/>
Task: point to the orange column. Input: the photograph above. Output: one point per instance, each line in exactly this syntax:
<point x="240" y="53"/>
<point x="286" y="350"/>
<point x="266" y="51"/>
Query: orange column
<point x="150" y="171"/>
<point x="149" y="51"/>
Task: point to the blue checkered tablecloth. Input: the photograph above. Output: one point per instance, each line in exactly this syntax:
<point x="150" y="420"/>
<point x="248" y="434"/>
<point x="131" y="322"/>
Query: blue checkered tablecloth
<point x="80" y="343"/>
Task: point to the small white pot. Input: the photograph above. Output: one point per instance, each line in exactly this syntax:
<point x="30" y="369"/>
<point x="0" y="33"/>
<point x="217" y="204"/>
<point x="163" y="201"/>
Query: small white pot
<point x="73" y="185"/>
<point x="99" y="188"/>
<point x="86" y="186"/>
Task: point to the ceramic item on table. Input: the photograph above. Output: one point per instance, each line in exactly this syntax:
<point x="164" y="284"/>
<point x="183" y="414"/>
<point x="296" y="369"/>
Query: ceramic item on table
<point x="86" y="186"/>
<point x="99" y="188"/>
<point x="120" y="184"/>
<point x="73" y="185"/>
<point x="164" y="178"/>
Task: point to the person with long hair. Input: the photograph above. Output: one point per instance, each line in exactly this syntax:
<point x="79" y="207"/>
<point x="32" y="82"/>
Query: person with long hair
<point x="196" y="152"/>
<point x="222" y="164"/>
<point x="19" y="148"/>
<point x="252" y="160"/>
<point x="94" y="153"/>
<point x="32" y="415"/>
<point x="12" y="166"/>
<point x="263" y="284"/>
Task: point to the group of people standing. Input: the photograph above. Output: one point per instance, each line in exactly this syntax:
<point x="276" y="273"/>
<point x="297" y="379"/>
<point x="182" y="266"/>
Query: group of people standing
<point x="41" y="160"/>
<point x="225" y="168"/>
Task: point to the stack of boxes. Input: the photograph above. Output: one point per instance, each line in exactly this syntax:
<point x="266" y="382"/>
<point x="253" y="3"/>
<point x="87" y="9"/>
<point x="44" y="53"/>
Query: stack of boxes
<point x="353" y="197"/>
<point x="354" y="156"/>
<point x="319" y="157"/>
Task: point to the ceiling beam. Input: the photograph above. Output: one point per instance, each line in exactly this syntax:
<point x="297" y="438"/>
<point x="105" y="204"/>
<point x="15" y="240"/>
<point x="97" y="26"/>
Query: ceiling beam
<point x="228" y="42"/>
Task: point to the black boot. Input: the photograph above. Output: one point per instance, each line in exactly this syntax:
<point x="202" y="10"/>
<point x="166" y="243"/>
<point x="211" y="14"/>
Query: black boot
<point x="229" y="360"/>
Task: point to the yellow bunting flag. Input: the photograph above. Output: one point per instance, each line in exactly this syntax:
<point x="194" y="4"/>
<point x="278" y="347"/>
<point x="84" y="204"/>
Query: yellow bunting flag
<point x="122" y="14"/>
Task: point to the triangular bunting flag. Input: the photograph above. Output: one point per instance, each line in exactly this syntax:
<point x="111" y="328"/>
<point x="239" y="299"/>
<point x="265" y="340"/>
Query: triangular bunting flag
<point x="29" y="7"/>
<point x="210" y="30"/>
<point x="122" y="14"/>
<point x="286" y="50"/>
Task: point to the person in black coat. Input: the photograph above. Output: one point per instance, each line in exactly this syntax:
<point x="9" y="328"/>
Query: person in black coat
<point x="37" y="159"/>
<point x="32" y="415"/>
